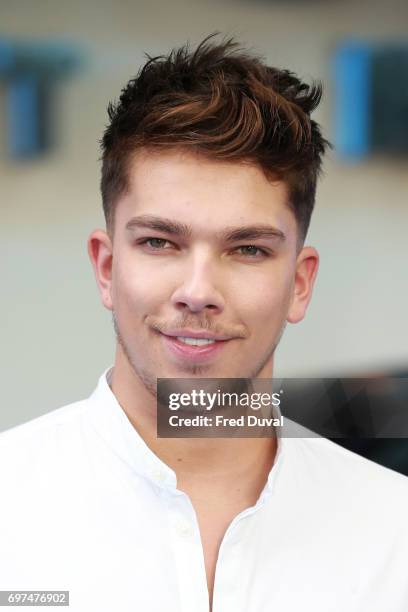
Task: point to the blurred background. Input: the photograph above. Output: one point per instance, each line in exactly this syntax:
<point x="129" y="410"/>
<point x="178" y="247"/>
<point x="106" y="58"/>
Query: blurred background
<point x="56" y="336"/>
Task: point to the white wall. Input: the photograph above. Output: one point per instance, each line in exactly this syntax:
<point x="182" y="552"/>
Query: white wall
<point x="56" y="336"/>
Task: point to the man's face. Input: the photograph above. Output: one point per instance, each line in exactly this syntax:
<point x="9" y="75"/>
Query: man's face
<point x="177" y="266"/>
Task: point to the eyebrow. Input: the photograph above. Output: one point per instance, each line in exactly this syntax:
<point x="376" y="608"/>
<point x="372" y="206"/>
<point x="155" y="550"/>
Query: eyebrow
<point x="229" y="234"/>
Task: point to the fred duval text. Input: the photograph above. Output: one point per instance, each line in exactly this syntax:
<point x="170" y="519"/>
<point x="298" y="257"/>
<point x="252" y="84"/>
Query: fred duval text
<point x="249" y="420"/>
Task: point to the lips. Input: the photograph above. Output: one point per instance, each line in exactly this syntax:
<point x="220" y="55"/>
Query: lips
<point x="187" y="352"/>
<point x="191" y="333"/>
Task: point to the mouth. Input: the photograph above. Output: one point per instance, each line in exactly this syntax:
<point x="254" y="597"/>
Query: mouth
<point x="197" y="350"/>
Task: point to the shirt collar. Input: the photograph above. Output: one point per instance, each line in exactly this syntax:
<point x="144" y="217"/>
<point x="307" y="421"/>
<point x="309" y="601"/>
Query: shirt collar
<point x="111" y="422"/>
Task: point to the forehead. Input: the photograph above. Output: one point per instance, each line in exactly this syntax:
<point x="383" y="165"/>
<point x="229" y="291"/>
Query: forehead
<point x="206" y="194"/>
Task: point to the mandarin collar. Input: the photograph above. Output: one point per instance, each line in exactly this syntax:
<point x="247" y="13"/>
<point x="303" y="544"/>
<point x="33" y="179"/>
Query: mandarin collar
<point x="111" y="422"/>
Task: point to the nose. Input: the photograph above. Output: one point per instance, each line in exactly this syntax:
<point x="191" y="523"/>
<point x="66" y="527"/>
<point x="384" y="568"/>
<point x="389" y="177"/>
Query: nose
<point x="198" y="289"/>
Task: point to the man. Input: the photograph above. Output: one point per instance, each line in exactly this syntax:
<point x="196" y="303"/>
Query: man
<point x="209" y="172"/>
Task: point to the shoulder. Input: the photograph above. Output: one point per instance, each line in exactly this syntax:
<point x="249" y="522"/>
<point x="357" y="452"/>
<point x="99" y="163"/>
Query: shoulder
<point x="48" y="421"/>
<point x="30" y="443"/>
<point x="330" y="459"/>
<point x="345" y="479"/>
<point x="342" y="460"/>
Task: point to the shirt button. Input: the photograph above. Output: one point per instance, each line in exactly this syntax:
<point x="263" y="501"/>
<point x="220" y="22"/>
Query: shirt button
<point x="184" y="530"/>
<point x="159" y="475"/>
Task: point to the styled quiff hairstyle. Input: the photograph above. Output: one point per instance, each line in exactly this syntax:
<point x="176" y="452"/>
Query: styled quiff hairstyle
<point x="226" y="104"/>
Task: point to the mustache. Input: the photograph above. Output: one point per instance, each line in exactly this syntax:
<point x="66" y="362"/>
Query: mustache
<point x="237" y="331"/>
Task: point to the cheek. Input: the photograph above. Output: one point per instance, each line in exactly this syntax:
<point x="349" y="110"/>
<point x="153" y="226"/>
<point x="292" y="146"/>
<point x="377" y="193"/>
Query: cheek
<point x="271" y="288"/>
<point x="267" y="300"/>
<point x="136" y="289"/>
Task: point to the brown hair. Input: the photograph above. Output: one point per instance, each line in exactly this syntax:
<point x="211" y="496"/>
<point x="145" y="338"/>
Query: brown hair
<point x="226" y="104"/>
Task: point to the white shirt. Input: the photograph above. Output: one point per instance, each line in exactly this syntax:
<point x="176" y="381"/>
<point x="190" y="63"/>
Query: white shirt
<point x="87" y="507"/>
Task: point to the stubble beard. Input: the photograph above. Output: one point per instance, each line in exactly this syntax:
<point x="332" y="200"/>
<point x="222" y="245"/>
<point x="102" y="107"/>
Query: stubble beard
<point x="149" y="379"/>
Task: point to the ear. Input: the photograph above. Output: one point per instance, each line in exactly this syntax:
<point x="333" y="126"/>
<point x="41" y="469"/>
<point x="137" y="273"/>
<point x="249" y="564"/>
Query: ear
<point x="307" y="264"/>
<point x="100" y="250"/>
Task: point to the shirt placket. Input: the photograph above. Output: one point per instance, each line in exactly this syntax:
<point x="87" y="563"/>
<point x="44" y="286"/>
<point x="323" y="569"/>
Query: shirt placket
<point x="188" y="552"/>
<point x="226" y="596"/>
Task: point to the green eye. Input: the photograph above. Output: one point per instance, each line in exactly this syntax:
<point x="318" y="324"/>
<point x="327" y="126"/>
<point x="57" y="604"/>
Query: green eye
<point x="250" y="248"/>
<point x="154" y="243"/>
<point x="158" y="242"/>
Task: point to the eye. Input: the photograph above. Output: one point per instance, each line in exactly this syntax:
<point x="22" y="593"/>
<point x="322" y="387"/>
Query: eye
<point x="253" y="251"/>
<point x="156" y="244"/>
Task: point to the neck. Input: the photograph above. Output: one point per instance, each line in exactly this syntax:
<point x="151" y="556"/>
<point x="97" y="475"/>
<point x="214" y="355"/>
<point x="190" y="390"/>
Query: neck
<point x="196" y="461"/>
